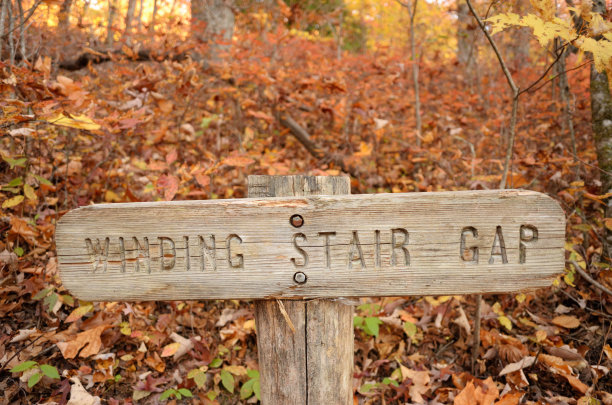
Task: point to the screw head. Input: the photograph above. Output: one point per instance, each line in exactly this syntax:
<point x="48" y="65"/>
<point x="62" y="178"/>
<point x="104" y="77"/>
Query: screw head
<point x="300" y="277"/>
<point x="296" y="220"/>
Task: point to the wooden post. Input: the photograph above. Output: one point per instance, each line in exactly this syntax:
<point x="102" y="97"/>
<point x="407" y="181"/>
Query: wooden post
<point x="314" y="363"/>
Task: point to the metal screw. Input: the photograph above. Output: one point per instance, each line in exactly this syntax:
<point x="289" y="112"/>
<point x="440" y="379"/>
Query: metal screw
<point x="296" y="220"/>
<point x="299" y="277"/>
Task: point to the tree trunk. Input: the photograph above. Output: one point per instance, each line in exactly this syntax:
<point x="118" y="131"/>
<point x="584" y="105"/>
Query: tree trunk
<point x="465" y="36"/>
<point x="601" y="121"/>
<point x="3" y="12"/>
<point x="212" y="22"/>
<point x="139" y="18"/>
<point x="129" y="17"/>
<point x="153" y="16"/>
<point x="64" y="15"/>
<point x="112" y="11"/>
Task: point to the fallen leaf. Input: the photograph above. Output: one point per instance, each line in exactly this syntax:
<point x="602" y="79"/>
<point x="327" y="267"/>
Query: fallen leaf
<point x="420" y="383"/>
<point x="88" y="340"/>
<point x="169" y="184"/>
<point x="466" y="396"/>
<point x="13" y="202"/>
<point x="184" y="345"/>
<point x="74" y="121"/>
<point x="238" y="161"/>
<point x="519" y="365"/>
<point x="566" y="321"/>
<point x="80" y="396"/>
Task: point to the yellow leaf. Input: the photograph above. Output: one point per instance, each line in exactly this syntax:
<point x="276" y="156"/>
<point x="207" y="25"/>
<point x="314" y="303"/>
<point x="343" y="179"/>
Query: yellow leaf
<point x="540" y="336"/>
<point x="520" y="298"/>
<point x="111" y="196"/>
<point x="29" y="192"/>
<point x="505" y="322"/>
<point x="74" y="121"/>
<point x="11" y="202"/>
<point x="365" y="150"/>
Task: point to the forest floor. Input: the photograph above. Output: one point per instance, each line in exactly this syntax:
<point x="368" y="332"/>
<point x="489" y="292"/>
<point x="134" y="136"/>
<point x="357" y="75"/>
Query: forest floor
<point x="151" y="130"/>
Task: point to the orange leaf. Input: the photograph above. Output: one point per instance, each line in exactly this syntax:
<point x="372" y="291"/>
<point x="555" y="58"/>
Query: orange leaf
<point x="260" y="114"/>
<point x="170" y="349"/>
<point x="169" y="184"/>
<point x="466" y="396"/>
<point x="511" y="398"/>
<point x="238" y="161"/>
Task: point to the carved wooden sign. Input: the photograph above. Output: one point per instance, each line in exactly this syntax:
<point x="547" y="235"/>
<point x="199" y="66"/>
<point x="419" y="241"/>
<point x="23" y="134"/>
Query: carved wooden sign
<point x="313" y="247"/>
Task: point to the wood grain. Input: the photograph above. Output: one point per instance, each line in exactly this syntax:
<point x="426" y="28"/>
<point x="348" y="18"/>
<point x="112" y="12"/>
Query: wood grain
<point x="314" y="363"/>
<point x="349" y="246"/>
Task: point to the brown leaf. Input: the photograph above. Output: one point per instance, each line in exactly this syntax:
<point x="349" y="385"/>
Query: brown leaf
<point x="566" y="321"/>
<point x="88" y="340"/>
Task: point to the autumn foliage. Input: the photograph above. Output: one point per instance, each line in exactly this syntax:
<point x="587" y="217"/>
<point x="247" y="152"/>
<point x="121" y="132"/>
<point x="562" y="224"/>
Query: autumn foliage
<point x="169" y="127"/>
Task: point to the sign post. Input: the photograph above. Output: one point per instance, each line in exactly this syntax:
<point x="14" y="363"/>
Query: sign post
<point x="304" y="240"/>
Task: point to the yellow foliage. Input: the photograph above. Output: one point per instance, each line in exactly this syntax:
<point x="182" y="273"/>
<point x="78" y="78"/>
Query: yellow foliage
<point x="546" y="28"/>
<point x="544" y="8"/>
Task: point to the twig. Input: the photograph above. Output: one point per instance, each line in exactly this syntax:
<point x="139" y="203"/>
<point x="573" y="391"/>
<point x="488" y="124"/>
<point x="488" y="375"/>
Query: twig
<point x="591" y="279"/>
<point x="19" y="351"/>
<point x="314" y="149"/>
<point x="559" y="74"/>
<point x="513" y="88"/>
<point x="559" y="56"/>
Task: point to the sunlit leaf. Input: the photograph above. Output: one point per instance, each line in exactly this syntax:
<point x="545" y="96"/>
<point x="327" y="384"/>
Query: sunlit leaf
<point x="74" y="121"/>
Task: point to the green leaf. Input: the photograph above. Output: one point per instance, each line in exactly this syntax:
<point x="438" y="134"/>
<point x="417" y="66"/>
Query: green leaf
<point x="253" y="373"/>
<point x="34" y="379"/>
<point x="68" y="299"/>
<point x="42" y="294"/>
<point x="257" y="389"/>
<point x="49" y="371"/>
<point x="26" y="365"/>
<point x="410" y="329"/>
<point x="227" y="379"/>
<point x="50" y="301"/>
<point x="15" y="162"/>
<point x="212" y="395"/>
<point x="185" y="392"/>
<point x="178" y="395"/>
<point x="17" y="181"/>
<point x="367" y="387"/>
<point x="247" y="389"/>
<point x="215" y="363"/>
<point x="166" y="394"/>
<point x="18" y="251"/>
<point x="371" y="325"/>
<point x="582" y="227"/>
<point x="42" y="180"/>
<point x="200" y="379"/>
<point x="358" y="322"/>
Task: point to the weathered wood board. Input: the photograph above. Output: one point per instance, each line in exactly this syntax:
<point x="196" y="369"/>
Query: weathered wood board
<point x="348" y="246"/>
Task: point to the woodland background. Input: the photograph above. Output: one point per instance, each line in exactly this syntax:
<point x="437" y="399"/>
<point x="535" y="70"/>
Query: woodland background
<point x="143" y="100"/>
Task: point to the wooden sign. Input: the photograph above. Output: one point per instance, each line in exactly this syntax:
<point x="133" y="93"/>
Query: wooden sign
<point x="308" y="247"/>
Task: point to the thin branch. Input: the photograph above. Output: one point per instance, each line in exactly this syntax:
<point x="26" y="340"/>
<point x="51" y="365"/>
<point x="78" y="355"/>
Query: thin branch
<point x="559" y="56"/>
<point x="25" y="20"/>
<point x="590" y="279"/>
<point x="561" y="73"/>
<point x="502" y="63"/>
